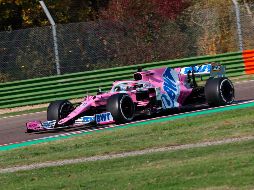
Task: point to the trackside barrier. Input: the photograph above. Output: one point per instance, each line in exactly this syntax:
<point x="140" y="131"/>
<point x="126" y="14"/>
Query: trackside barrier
<point x="76" y="85"/>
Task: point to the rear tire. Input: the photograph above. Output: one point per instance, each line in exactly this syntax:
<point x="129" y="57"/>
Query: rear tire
<point x="58" y="110"/>
<point x="219" y="91"/>
<point x="121" y="107"/>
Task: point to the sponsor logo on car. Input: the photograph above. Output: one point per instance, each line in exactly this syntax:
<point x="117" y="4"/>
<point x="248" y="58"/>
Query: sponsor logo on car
<point x="99" y="118"/>
<point x="171" y="88"/>
<point x="103" y="117"/>
<point x="202" y="69"/>
<point x="49" y="124"/>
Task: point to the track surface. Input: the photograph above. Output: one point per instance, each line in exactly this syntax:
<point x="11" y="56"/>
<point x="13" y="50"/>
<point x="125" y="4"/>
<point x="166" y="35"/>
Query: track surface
<point x="12" y="129"/>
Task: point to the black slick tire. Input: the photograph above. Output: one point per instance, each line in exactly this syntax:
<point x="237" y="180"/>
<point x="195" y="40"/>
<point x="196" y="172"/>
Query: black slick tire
<point x="219" y="91"/>
<point x="58" y="110"/>
<point x="121" y="107"/>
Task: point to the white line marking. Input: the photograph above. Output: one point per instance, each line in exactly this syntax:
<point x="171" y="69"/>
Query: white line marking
<point x="188" y="112"/>
<point x="114" y="126"/>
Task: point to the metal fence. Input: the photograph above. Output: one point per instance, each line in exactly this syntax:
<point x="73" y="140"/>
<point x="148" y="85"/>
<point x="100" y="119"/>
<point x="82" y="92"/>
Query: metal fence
<point x="102" y="44"/>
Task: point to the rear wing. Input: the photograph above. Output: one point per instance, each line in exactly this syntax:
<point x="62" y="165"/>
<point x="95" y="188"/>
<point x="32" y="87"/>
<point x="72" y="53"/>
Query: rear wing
<point x="212" y="69"/>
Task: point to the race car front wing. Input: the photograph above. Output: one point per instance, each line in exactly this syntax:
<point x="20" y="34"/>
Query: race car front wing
<point x="97" y="119"/>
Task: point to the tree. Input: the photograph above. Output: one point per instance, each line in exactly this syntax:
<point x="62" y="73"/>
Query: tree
<point x="170" y="8"/>
<point x="214" y="21"/>
<point x="10" y="15"/>
<point x="18" y="14"/>
<point x="150" y="27"/>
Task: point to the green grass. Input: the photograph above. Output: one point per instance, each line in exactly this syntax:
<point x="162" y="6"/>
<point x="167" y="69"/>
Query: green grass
<point x="229" y="166"/>
<point x="237" y="123"/>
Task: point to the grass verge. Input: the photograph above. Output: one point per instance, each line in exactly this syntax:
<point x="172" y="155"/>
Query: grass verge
<point x="229" y="124"/>
<point x="227" y="166"/>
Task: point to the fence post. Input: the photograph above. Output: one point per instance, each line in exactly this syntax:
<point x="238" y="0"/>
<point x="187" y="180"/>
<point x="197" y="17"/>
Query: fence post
<point x="53" y="24"/>
<point x="238" y="22"/>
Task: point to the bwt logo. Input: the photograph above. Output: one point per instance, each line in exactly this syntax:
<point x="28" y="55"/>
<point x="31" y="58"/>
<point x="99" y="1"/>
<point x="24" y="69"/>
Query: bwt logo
<point x="103" y="117"/>
<point x="98" y="118"/>
<point x="171" y="88"/>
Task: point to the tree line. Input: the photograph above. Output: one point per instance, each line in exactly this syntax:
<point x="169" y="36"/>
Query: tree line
<point x="96" y="34"/>
<point x="20" y="14"/>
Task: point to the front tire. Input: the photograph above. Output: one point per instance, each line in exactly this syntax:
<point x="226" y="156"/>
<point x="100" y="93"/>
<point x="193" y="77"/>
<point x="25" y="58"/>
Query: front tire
<point x="219" y="91"/>
<point x="58" y="110"/>
<point x="121" y="107"/>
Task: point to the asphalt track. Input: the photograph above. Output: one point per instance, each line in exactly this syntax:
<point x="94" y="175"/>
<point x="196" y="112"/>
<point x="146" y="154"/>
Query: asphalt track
<point x="12" y="129"/>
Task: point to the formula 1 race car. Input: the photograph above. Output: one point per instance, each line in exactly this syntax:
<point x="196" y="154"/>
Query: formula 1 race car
<point x="151" y="91"/>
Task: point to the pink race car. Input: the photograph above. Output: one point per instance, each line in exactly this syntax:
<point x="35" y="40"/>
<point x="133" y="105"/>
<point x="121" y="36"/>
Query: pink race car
<point x="150" y="92"/>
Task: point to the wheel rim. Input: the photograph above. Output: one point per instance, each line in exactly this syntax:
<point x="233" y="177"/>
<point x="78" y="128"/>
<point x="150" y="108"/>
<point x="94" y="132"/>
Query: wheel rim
<point x="127" y="108"/>
<point x="227" y="91"/>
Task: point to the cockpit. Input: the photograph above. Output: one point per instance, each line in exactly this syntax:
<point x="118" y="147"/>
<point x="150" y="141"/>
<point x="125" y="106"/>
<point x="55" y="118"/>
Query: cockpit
<point x="123" y="87"/>
<point x="130" y="85"/>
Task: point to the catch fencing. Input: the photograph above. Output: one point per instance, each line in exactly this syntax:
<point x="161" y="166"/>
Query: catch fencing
<point x="102" y="44"/>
